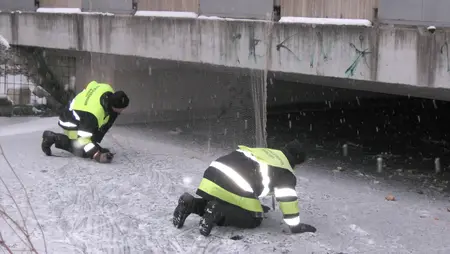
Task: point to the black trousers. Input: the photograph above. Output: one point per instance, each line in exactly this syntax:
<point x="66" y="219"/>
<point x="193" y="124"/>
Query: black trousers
<point x="64" y="143"/>
<point x="229" y="215"/>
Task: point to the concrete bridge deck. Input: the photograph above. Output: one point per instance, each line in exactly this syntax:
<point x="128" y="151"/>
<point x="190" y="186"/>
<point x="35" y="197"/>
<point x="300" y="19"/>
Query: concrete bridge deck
<point x="386" y="54"/>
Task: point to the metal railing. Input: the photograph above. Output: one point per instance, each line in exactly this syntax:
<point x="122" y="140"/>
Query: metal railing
<point x="22" y="82"/>
<point x="250" y="9"/>
<point x="418" y="12"/>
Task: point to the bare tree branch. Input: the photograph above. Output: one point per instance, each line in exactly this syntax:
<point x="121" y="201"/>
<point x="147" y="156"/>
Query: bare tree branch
<point x="4" y="246"/>
<point x="24" y="229"/>
<point x="14" y="230"/>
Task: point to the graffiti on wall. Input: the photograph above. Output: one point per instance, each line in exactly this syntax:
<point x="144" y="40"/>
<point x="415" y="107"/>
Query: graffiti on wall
<point x="321" y="51"/>
<point x="324" y="50"/>
<point x="282" y="45"/>
<point x="360" y="56"/>
<point x="235" y="38"/>
<point x="253" y="43"/>
<point x="445" y="53"/>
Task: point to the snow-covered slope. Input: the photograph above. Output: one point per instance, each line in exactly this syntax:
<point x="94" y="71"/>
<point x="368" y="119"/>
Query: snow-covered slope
<point x="126" y="207"/>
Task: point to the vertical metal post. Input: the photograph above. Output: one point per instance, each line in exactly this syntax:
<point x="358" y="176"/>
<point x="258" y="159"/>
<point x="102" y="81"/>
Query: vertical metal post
<point x="134" y="6"/>
<point x="437" y="165"/>
<point x="345" y="150"/>
<point x="379" y="164"/>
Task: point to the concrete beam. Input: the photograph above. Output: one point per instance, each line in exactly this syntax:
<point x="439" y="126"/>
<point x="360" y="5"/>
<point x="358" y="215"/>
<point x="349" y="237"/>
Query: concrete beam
<point x="168" y="5"/>
<point x="386" y="54"/>
<point x="60" y="3"/>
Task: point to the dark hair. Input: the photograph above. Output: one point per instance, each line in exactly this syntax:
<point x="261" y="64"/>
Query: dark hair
<point x="119" y="99"/>
<point x="294" y="152"/>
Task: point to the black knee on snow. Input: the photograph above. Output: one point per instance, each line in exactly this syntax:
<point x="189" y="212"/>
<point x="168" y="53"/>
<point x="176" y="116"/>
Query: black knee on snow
<point x="199" y="206"/>
<point x="62" y="141"/>
<point x="48" y="135"/>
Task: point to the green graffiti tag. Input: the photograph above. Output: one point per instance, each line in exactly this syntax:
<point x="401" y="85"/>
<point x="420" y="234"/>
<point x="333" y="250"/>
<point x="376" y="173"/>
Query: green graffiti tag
<point x="361" y="54"/>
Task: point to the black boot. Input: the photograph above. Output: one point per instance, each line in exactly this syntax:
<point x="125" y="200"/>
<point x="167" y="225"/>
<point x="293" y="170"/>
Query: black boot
<point x="212" y="215"/>
<point x="48" y="139"/>
<point x="183" y="210"/>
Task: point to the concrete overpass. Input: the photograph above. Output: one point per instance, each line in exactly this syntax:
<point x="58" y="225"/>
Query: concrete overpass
<point x="385" y="54"/>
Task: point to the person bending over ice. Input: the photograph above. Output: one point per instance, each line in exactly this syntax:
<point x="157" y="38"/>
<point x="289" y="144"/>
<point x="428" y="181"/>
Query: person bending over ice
<point x="232" y="185"/>
<point x="86" y="121"/>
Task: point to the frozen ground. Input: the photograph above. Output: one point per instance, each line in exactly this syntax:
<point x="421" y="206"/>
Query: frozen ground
<point x="126" y="207"/>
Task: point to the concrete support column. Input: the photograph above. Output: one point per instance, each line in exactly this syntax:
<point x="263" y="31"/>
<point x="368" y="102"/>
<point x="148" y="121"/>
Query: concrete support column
<point x="92" y="66"/>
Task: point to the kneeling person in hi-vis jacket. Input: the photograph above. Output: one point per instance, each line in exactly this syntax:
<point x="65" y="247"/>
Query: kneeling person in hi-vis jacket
<point x="85" y="122"/>
<point x="232" y="185"/>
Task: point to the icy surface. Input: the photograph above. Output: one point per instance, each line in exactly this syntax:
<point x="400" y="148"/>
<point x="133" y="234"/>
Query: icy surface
<point x="22" y="125"/>
<point x="4" y="44"/>
<point x="59" y="10"/>
<point x="175" y="14"/>
<point x="126" y="207"/>
<point x="327" y="21"/>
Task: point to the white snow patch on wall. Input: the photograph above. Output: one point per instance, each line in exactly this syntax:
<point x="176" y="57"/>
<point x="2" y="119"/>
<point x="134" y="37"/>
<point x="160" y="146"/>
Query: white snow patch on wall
<point x="210" y="17"/>
<point x="59" y="10"/>
<point x="227" y="19"/>
<point x="97" y="13"/>
<point x="4" y="42"/>
<point x="327" y="21"/>
<point x="173" y="14"/>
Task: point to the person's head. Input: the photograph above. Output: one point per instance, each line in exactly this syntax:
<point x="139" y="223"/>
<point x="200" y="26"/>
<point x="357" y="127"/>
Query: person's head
<point x="294" y="152"/>
<point x="118" y="101"/>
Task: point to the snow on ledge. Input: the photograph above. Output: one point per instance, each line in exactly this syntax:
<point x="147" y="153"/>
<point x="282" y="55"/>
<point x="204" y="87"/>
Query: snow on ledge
<point x="227" y="19"/>
<point x="210" y="17"/>
<point x="4" y="42"/>
<point x="172" y="14"/>
<point x="59" y="10"/>
<point x="327" y="21"/>
<point x="97" y="13"/>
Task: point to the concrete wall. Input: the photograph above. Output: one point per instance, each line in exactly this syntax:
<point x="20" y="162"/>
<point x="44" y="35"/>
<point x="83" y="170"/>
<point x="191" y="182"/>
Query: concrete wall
<point x="249" y="9"/>
<point x="111" y="6"/>
<point x="60" y="3"/>
<point x="348" y="9"/>
<point x="13" y="5"/>
<point x="386" y="54"/>
<point x="418" y="12"/>
<point x="217" y="102"/>
<point x="181" y="95"/>
<point x="168" y="5"/>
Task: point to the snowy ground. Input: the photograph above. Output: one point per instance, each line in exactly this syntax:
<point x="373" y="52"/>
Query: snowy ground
<point x="126" y="207"/>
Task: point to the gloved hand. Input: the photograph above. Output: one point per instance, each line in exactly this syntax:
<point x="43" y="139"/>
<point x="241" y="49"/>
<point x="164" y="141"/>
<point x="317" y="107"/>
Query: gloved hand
<point x="104" y="150"/>
<point x="265" y="208"/>
<point x="302" y="228"/>
<point x="103" y="157"/>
